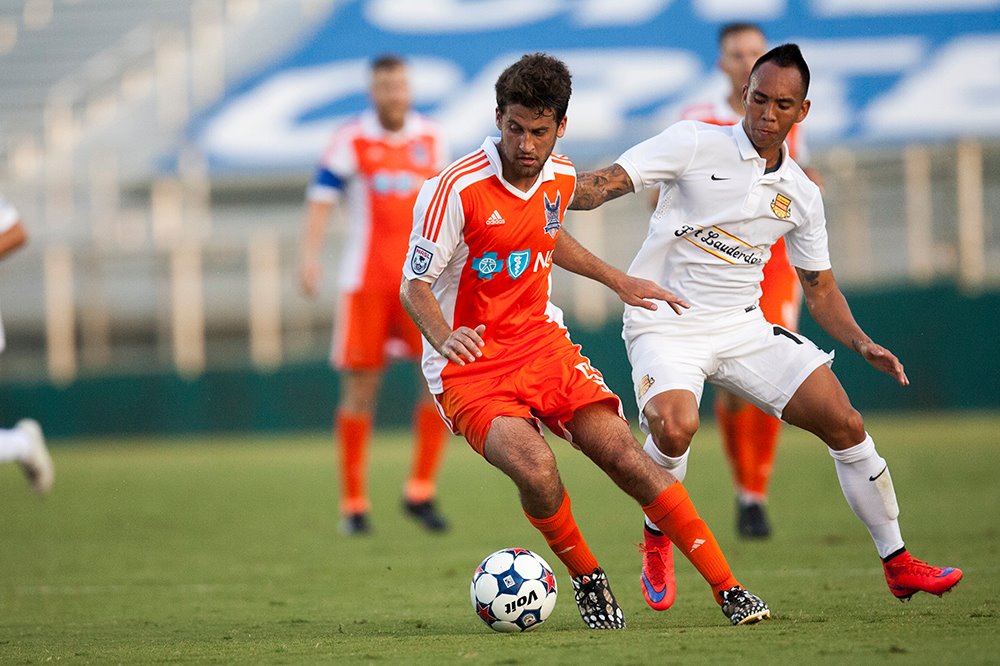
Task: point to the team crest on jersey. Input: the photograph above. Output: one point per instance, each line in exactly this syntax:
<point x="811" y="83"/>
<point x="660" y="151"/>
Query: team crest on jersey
<point x="781" y="206"/>
<point x="517" y="263"/>
<point x="487" y="265"/>
<point x="552" y="214"/>
<point x="420" y="260"/>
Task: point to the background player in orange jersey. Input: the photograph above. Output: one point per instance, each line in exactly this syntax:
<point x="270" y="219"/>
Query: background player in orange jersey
<point x="749" y="435"/>
<point x="377" y="162"/>
<point x="498" y="358"/>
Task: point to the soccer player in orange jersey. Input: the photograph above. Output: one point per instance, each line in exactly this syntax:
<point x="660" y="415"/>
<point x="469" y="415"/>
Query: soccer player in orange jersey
<point x="749" y="435"/>
<point x="377" y="162"/>
<point x="500" y="362"/>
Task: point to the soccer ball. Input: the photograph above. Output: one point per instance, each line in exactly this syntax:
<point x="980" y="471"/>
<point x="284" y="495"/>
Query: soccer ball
<point x="513" y="590"/>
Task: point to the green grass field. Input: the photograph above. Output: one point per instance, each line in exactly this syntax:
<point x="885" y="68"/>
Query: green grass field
<point x="225" y="549"/>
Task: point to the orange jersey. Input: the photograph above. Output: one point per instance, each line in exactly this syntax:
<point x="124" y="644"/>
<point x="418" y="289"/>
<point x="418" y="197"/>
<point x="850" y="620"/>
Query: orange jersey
<point x="486" y="248"/>
<point x="379" y="173"/>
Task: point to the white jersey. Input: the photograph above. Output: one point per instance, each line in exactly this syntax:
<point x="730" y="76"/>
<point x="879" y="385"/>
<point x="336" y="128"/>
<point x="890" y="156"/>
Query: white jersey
<point x="717" y="217"/>
<point x="8" y="218"/>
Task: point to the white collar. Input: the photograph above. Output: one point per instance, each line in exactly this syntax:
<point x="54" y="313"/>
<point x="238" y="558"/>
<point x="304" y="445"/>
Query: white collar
<point x="749" y="152"/>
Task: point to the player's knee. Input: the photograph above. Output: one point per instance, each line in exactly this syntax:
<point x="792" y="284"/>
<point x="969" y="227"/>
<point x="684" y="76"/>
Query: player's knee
<point x="847" y="429"/>
<point x="854" y="426"/>
<point x="673" y="435"/>
<point x="539" y="471"/>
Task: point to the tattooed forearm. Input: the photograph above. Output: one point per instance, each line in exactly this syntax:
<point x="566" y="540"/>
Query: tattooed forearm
<point x="595" y="187"/>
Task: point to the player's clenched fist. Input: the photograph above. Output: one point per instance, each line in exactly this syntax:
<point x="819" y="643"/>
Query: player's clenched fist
<point x="462" y="345"/>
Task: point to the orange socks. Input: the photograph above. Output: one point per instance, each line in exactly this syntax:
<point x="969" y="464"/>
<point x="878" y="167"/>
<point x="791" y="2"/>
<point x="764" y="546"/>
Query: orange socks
<point x="766" y="429"/>
<point x="564" y="538"/>
<point x="750" y="439"/>
<point x="431" y="438"/>
<point x="674" y="515"/>
<point x="353" y="432"/>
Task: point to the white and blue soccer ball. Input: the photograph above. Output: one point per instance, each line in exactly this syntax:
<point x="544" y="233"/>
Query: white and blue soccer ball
<point x="513" y="590"/>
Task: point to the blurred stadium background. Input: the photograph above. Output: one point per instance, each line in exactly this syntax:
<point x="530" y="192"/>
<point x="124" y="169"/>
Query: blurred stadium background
<point x="159" y="150"/>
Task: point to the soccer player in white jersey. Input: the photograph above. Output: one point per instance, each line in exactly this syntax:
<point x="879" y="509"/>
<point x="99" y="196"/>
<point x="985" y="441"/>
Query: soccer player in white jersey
<point x="749" y="435"/>
<point x="728" y="194"/>
<point x="24" y="443"/>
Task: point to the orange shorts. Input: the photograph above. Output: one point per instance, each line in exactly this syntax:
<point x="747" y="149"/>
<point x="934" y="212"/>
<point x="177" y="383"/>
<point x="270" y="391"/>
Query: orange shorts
<point x="549" y="389"/>
<point x="370" y="326"/>
<point x="781" y="300"/>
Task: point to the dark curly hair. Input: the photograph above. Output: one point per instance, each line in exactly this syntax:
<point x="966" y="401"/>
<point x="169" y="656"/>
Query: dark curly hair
<point x="537" y="81"/>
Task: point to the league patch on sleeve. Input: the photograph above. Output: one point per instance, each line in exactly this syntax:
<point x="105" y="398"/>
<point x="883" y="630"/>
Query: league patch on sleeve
<point x="420" y="260"/>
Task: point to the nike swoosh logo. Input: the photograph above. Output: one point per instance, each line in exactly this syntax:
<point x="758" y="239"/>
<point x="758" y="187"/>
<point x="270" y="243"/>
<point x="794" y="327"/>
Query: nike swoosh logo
<point x="656" y="596"/>
<point x="565" y="550"/>
<point x="714" y="177"/>
<point x="872" y="478"/>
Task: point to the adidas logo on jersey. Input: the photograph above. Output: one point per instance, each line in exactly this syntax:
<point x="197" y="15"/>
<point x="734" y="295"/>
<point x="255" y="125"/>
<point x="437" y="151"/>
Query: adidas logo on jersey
<point x="495" y="219"/>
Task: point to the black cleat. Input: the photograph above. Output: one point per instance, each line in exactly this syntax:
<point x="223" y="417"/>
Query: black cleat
<point x="743" y="607"/>
<point x="596" y="602"/>
<point x="355" y="524"/>
<point x="752" y="522"/>
<point x="426" y="514"/>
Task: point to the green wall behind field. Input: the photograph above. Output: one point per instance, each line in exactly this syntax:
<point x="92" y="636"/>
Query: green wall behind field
<point x="948" y="342"/>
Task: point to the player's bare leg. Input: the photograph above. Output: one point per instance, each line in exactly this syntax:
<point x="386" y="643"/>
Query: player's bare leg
<point x="515" y="447"/>
<point x="822" y="407"/>
<point x="353" y="428"/>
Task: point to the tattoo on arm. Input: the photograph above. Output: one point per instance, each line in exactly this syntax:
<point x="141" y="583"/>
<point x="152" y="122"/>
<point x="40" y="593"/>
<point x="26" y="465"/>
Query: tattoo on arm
<point x="595" y="187"/>
<point x="809" y="277"/>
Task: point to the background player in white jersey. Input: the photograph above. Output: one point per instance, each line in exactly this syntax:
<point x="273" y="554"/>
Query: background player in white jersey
<point x="24" y="443"/>
<point x="727" y="194"/>
<point x="376" y="162"/>
<point x="750" y="435"/>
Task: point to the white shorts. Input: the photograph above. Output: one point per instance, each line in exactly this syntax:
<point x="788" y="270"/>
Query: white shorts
<point x="740" y="352"/>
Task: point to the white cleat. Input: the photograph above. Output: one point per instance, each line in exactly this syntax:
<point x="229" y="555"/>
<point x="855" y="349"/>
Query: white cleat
<point x="38" y="465"/>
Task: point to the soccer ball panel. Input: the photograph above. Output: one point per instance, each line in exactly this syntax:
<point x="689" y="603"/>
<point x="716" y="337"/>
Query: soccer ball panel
<point x="528" y="566"/>
<point x="499" y="562"/>
<point x="485" y="588"/>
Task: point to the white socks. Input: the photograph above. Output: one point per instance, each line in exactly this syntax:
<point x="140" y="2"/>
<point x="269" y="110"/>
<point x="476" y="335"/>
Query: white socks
<point x="677" y="466"/>
<point x="14" y="445"/>
<point x="864" y="478"/>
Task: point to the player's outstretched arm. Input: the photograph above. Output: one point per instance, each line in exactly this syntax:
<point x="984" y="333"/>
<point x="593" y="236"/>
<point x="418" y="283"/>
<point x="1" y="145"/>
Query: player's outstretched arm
<point x="460" y="346"/>
<point x="829" y="308"/>
<point x="595" y="187"/>
<point x="572" y="256"/>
